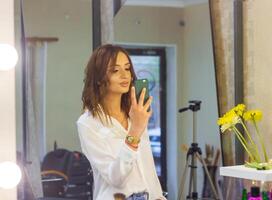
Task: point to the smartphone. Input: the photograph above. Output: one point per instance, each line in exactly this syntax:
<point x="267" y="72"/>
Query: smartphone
<point x="139" y="85"/>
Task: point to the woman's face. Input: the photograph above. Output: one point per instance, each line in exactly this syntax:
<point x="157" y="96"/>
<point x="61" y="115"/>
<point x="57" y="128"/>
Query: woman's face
<point x="119" y="75"/>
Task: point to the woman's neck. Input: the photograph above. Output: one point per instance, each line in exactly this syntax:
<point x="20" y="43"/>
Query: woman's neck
<point x="113" y="104"/>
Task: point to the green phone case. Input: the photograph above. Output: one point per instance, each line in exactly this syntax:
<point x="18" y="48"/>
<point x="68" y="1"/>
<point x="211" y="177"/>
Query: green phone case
<point x="139" y="85"/>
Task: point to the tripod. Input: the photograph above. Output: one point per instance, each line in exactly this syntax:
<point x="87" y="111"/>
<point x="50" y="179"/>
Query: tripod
<point x="193" y="153"/>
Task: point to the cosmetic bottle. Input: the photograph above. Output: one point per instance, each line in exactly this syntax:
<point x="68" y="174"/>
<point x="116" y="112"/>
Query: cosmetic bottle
<point x="255" y="193"/>
<point x="265" y="195"/>
<point x="244" y="194"/>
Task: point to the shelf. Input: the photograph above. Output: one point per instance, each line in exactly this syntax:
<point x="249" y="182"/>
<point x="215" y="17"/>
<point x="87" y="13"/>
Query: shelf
<point x="240" y="171"/>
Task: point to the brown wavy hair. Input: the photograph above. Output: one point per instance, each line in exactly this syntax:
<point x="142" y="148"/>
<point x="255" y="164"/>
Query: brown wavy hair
<point x="96" y="81"/>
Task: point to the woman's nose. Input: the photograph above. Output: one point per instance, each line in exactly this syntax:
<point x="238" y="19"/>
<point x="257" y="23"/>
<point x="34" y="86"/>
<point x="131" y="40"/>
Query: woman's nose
<point x="125" y="73"/>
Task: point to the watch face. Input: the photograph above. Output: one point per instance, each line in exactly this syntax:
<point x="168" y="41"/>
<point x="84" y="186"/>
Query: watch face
<point x="130" y="138"/>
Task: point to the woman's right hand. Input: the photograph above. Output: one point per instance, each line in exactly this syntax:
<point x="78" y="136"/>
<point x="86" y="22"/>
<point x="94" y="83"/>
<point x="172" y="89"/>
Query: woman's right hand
<point x="139" y="114"/>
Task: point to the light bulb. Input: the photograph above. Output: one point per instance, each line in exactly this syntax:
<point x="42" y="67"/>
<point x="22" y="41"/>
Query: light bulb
<point x="10" y="175"/>
<point x="8" y="57"/>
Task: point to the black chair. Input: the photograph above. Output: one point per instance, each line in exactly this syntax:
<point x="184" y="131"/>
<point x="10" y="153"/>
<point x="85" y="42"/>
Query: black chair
<point x="67" y="174"/>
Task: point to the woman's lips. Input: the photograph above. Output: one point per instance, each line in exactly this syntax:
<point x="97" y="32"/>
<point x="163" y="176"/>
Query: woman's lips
<point x="124" y="84"/>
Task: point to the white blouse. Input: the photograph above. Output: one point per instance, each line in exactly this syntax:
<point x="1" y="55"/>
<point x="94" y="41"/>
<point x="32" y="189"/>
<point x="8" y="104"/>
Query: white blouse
<point x="116" y="167"/>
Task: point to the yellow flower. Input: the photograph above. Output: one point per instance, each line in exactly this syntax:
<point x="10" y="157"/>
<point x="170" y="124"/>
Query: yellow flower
<point x="240" y="115"/>
<point x="229" y="117"/>
<point x="239" y="109"/>
<point x="228" y="121"/>
<point x="254" y="115"/>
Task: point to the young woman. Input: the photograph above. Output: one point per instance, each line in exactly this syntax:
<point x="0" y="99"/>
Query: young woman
<point x="113" y="128"/>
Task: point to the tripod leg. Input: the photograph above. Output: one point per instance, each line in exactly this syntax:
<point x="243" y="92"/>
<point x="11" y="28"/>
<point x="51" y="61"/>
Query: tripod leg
<point x="182" y="180"/>
<point x="192" y="181"/>
<point x="208" y="175"/>
<point x="194" y="168"/>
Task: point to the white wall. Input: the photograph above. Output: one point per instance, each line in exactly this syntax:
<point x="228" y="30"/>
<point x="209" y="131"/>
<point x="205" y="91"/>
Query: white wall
<point x="69" y="21"/>
<point x="7" y="99"/>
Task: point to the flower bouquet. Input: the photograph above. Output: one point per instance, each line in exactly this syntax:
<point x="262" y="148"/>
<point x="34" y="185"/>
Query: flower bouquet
<point x="239" y="116"/>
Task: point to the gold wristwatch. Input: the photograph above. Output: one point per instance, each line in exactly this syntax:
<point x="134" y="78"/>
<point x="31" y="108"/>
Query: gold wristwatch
<point x="133" y="140"/>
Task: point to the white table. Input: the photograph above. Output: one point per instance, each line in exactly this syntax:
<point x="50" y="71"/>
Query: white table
<point x="240" y="171"/>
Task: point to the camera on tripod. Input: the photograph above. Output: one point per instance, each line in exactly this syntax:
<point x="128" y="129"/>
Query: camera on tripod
<point x="194" y="105"/>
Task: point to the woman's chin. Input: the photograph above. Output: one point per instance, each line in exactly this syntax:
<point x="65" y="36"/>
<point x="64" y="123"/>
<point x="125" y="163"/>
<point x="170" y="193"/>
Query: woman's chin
<point x="125" y="90"/>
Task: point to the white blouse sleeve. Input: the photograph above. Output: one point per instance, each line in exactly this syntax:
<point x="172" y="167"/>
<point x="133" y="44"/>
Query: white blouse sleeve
<point x="114" y="169"/>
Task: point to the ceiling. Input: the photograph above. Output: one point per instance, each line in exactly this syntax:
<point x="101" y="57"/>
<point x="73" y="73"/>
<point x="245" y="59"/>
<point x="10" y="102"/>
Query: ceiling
<point x="164" y="3"/>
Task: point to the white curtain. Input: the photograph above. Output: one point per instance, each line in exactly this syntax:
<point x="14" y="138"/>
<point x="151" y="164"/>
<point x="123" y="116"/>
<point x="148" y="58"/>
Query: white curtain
<point x="223" y="32"/>
<point x="35" y="144"/>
